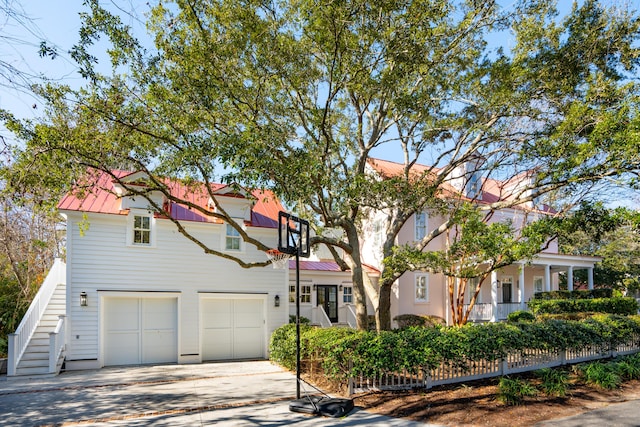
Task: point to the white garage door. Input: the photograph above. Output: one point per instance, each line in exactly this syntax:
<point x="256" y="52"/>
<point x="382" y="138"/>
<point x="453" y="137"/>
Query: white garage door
<point x="232" y="329"/>
<point x="140" y="330"/>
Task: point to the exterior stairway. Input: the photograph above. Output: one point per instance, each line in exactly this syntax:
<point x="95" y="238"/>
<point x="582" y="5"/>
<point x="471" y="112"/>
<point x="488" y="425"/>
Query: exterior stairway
<point x="38" y="345"/>
<point x="35" y="360"/>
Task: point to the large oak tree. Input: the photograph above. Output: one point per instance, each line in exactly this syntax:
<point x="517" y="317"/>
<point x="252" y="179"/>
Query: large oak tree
<point x="297" y="95"/>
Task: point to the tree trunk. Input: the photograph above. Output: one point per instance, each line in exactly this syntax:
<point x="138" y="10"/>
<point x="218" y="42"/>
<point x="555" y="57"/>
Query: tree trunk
<point x="383" y="313"/>
<point x="359" y="294"/>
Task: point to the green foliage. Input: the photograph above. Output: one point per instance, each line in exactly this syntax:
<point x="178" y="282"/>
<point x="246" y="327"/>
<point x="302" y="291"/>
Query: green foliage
<point x="520" y="316"/>
<point x="513" y="391"/>
<point x="622" y="306"/>
<point x="296" y="97"/>
<point x="409" y="320"/>
<point x="554" y="382"/>
<point x="602" y="375"/>
<point x="415" y="348"/>
<point x="575" y="294"/>
<point x="303" y="320"/>
<point x="592" y="229"/>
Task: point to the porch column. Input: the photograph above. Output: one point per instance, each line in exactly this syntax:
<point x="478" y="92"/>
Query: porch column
<point x="570" y="278"/>
<point x="494" y="296"/>
<point x="547" y="278"/>
<point x="590" y="277"/>
<point x="521" y="287"/>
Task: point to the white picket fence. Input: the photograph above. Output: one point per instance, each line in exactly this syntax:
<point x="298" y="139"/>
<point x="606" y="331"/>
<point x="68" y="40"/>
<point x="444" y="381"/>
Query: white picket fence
<point x="530" y="360"/>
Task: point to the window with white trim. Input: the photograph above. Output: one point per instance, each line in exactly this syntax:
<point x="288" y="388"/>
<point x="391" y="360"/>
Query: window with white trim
<point x="378" y="231"/>
<point x="472" y="284"/>
<point x="422" y="288"/>
<point x="233" y="239"/>
<point x="421" y="220"/>
<point x="538" y="284"/>
<point x="347" y="294"/>
<point x="141" y="230"/>
<point x="305" y="293"/>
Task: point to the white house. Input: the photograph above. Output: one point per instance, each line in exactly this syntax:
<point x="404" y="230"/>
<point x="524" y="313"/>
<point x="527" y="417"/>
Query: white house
<point x="137" y="291"/>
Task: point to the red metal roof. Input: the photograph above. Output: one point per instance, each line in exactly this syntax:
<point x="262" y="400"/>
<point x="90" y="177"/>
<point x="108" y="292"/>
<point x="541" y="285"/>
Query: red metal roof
<point x="326" y="266"/>
<point x="98" y="196"/>
<point x="492" y="190"/>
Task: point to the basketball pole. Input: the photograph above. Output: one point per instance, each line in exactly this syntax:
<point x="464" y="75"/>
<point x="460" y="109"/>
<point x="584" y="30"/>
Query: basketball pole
<point x="297" y="322"/>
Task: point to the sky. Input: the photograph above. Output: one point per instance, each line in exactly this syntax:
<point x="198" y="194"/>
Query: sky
<point x="58" y="22"/>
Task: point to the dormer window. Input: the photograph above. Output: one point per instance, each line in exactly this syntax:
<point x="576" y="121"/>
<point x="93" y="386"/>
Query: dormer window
<point x="233" y="239"/>
<point x="474" y="186"/>
<point x="140" y="228"/>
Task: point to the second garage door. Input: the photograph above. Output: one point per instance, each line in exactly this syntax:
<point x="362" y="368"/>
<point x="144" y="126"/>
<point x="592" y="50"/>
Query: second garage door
<point x="140" y="330"/>
<point x="233" y="328"/>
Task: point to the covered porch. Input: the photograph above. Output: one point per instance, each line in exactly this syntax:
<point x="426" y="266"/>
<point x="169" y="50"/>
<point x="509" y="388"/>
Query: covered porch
<point x="511" y="287"/>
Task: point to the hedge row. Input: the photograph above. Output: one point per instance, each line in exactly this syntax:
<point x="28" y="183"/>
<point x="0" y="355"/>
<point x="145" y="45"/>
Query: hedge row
<point x="416" y="348"/>
<point x="576" y="294"/>
<point x="620" y="305"/>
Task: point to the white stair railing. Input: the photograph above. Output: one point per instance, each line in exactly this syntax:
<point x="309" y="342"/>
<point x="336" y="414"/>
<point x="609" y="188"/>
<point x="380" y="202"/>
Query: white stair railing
<point x="321" y="317"/>
<point x="56" y="344"/>
<point x="351" y="317"/>
<point x="19" y="340"/>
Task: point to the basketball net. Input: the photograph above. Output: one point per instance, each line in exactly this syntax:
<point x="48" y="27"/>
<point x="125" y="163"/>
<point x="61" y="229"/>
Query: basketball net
<point x="278" y="259"/>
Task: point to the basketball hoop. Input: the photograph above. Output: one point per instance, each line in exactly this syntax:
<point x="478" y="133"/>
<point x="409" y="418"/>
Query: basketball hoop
<point x="278" y="259"/>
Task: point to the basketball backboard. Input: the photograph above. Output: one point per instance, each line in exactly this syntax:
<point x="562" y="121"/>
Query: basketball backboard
<point x="293" y="235"/>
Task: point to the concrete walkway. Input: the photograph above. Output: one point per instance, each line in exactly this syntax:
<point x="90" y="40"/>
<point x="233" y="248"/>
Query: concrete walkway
<point x="220" y="394"/>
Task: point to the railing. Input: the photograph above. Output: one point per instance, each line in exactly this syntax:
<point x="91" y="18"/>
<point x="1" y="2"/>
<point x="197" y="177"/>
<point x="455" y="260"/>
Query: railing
<point x="320" y="317"/>
<point x="347" y="315"/>
<point x="56" y="344"/>
<point x="474" y="370"/>
<point x="479" y="312"/>
<point x="19" y="340"/>
<point x="504" y="308"/>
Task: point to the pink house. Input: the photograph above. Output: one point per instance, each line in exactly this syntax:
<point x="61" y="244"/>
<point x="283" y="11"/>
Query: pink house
<point x="509" y="288"/>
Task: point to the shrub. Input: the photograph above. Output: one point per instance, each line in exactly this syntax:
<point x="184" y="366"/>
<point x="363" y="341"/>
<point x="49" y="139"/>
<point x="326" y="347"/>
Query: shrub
<point x="513" y="391"/>
<point x="554" y="382"/>
<point x="416" y="348"/>
<point x="623" y="306"/>
<point x="409" y="320"/>
<point x="576" y="294"/>
<point x="303" y="320"/>
<point x="601" y="375"/>
<point x="520" y="316"/>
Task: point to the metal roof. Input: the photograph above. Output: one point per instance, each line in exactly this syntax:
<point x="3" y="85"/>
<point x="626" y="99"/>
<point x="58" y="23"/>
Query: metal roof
<point x="98" y="196"/>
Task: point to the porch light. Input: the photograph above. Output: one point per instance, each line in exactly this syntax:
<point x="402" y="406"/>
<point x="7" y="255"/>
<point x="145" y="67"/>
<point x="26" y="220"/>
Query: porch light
<point x="83" y="299"/>
<point x="314" y="287"/>
<point x="340" y="288"/>
<point x="276" y="301"/>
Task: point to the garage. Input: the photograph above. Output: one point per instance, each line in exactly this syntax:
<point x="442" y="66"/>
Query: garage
<point x="233" y="327"/>
<point x="140" y="330"/>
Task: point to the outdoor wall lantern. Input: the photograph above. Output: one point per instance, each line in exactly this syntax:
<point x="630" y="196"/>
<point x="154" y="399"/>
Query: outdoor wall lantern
<point x="314" y="287"/>
<point x="276" y="301"/>
<point x="340" y="288"/>
<point x="83" y="299"/>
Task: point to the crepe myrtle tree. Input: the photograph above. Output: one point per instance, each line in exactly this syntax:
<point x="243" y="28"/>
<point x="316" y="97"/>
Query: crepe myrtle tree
<point x="298" y="95"/>
<point x="475" y="246"/>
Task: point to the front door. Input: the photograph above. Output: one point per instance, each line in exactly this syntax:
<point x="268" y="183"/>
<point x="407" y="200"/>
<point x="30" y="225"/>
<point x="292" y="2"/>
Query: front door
<point x="506" y="290"/>
<point x="328" y="299"/>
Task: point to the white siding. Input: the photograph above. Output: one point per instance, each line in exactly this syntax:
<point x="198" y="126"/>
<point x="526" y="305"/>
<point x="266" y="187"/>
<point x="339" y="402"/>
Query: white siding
<point x="98" y="259"/>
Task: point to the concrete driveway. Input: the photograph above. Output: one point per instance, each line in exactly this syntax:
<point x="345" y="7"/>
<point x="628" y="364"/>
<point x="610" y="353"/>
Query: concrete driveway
<point x="220" y="394"/>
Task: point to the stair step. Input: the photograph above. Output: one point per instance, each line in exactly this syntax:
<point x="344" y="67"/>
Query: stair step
<point x="34" y="363"/>
<point x="35" y="356"/>
<point x="40" y="370"/>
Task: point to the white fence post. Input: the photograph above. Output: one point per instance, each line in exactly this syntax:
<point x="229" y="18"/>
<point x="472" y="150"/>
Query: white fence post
<point x="11" y="355"/>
